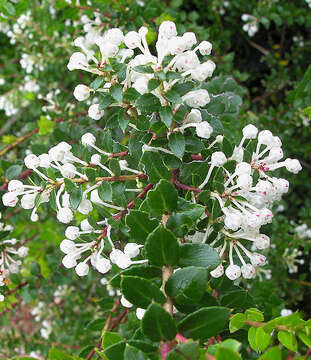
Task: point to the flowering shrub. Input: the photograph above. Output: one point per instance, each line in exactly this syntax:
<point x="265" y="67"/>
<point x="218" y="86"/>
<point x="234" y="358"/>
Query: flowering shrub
<point x="145" y="166"/>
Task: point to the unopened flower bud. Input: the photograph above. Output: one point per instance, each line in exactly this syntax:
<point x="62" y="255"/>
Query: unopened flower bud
<point x="67" y="246"/>
<point x="88" y="139"/>
<point x="204" y="130"/>
<point x="233" y="272"/>
<point x="248" y="271"/>
<point x="205" y="47"/>
<point x="94" y="112"/>
<point x="81" y="92"/>
<point x="72" y="232"/>
<point x="131" y="249"/>
<point x="125" y="302"/>
<point x="64" y="215"/>
<point x="31" y="161"/>
<point x="23" y="251"/>
<point x="82" y="269"/>
<point x="218" y="272"/>
<point x="250" y="131"/>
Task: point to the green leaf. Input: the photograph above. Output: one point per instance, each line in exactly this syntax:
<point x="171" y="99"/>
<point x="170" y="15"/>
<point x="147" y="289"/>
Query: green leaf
<point x="188" y="350"/>
<point x="13" y="172"/>
<point x="116" y="92"/>
<point x="258" y="339"/>
<point x="97" y="83"/>
<point x="288" y="339"/>
<point x="97" y="324"/>
<point x="166" y="116"/>
<point x="237" y="299"/>
<point x="163" y="199"/>
<point x="204" y="323"/>
<point x="177" y="144"/>
<point x="140" y="225"/>
<point x="254" y="314"/>
<point x="115" y="167"/>
<point x="187" y="284"/>
<point x="45" y="125"/>
<point x="153" y="84"/>
<point x="237" y="322"/>
<point x="198" y="255"/>
<point x="105" y="191"/>
<point x="115" y="351"/>
<point x="154" y="167"/>
<point x="131" y="353"/>
<point x="143" y="69"/>
<point x="55" y="354"/>
<point x="216" y="209"/>
<point x="148" y="103"/>
<point x="75" y="197"/>
<point x="123" y="119"/>
<point x="223" y="353"/>
<point x="157" y="324"/>
<point x="274" y="353"/>
<point x="162" y="247"/>
<point x="131" y="95"/>
<point x="110" y="338"/>
<point x="105" y="101"/>
<point x="173" y="97"/>
<point x="140" y="292"/>
<point x="306" y="339"/>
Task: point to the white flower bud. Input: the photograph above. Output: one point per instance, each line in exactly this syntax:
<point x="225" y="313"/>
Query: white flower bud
<point x="286" y="312"/>
<point x="245" y="181"/>
<point x="196" y="98"/>
<point x="9" y="199"/>
<point x="31" y="161"/>
<point x="95" y="159"/>
<point x="132" y="250"/>
<point x="293" y="166"/>
<point x="275" y="154"/>
<point x="115" y="253"/>
<point x="203" y="71"/>
<point x="16" y="186"/>
<point x="233" y="272"/>
<point x="22" y="251"/>
<point x="140" y="313"/>
<point x="72" y="232"/>
<point x="68" y="171"/>
<point x="167" y="29"/>
<point x="218" y="158"/>
<point x="81" y="92"/>
<point x="218" y="272"/>
<point x="125" y="302"/>
<point x="88" y="139"/>
<point x="45" y="161"/>
<point x="28" y="201"/>
<point x="250" y="131"/>
<point x="114" y="36"/>
<point x="34" y="217"/>
<point x="219" y="139"/>
<point x="281" y="185"/>
<point x="123" y="261"/>
<point x="204" y="130"/>
<point x="94" y="112"/>
<point x="85" y="225"/>
<point x="64" y="215"/>
<point x="123" y="164"/>
<point x="143" y="31"/>
<point x="67" y="246"/>
<point x="1" y="298"/>
<point x="82" y="269"/>
<point x="132" y="40"/>
<point x="85" y="207"/>
<point x="258" y="259"/>
<point x="248" y="271"/>
<point x="262" y="242"/>
<point x="194" y="116"/>
<point x="243" y="168"/>
<point x="233" y="221"/>
<point x="187" y="61"/>
<point x="205" y="47"/>
<point x="107" y="49"/>
<point x="141" y="85"/>
<point x="189" y="39"/>
<point x="103" y="265"/>
<point x="238" y="154"/>
<point x="77" y="61"/>
<point x="265" y="137"/>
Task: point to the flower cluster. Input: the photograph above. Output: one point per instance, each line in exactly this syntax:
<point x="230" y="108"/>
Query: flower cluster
<point x="246" y="201"/>
<point x="175" y="53"/>
<point x="251" y="24"/>
<point x="8" y="252"/>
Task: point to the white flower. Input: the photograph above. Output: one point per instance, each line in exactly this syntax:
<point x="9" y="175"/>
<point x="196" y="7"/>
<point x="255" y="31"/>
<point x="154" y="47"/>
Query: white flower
<point x="103" y="265"/>
<point x="204" y="130"/>
<point x="85" y="207"/>
<point x="85" y="225"/>
<point x="218" y="158"/>
<point x="82" y="269"/>
<point x="205" y="47"/>
<point x="125" y="302"/>
<point x="81" y="92"/>
<point x="189" y="39"/>
<point x="114" y="36"/>
<point x="88" y="139"/>
<point x="16" y="186"/>
<point x="9" y="199"/>
<point x="286" y="312"/>
<point x="140" y="313"/>
<point x="1" y="297"/>
<point x="250" y="131"/>
<point x="132" y="249"/>
<point x="293" y="165"/>
<point x="196" y="98"/>
<point x="77" y="61"/>
<point x="31" y="161"/>
<point x="72" y="232"/>
<point x="64" y="215"/>
<point x="45" y="161"/>
<point x="23" y="251"/>
<point x="95" y="113"/>
<point x="132" y="40"/>
<point x="67" y="246"/>
<point x="218" y="272"/>
<point x="193" y="117"/>
<point x="28" y="201"/>
<point x="248" y="271"/>
<point x="233" y="272"/>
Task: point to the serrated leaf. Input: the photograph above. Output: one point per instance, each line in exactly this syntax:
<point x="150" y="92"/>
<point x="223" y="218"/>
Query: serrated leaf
<point x="163" y="199"/>
<point x="140" y="292"/>
<point x="154" y="167"/>
<point x="204" y="323"/>
<point x="166" y="115"/>
<point x="140" y="225"/>
<point x="116" y="92"/>
<point x="105" y="191"/>
<point x="173" y="97"/>
<point x="177" y="144"/>
<point x="162" y="247"/>
<point x="198" y="255"/>
<point x="157" y="324"/>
